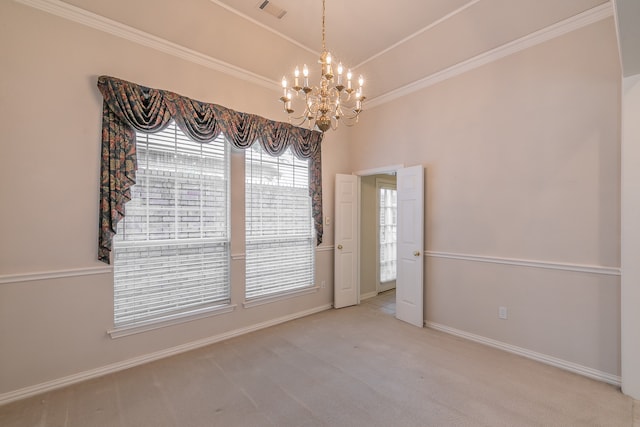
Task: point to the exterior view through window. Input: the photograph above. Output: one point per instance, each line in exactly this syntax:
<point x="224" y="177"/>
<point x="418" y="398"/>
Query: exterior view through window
<point x="171" y="251"/>
<point x="387" y="226"/>
<point x="279" y="228"/>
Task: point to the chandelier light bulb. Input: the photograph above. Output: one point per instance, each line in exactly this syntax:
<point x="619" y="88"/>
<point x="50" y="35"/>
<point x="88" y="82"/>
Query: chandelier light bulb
<point x="287" y="104"/>
<point x="340" y="69"/>
<point x="305" y="73"/>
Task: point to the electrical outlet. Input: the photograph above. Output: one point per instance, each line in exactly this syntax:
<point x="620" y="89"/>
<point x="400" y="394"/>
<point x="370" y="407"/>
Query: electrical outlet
<point x="502" y="313"/>
<point x="327" y="220"/>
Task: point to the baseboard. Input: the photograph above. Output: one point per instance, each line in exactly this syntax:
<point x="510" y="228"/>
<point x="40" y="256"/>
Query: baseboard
<point x="549" y="360"/>
<point x="136" y="361"/>
<point x="368" y="295"/>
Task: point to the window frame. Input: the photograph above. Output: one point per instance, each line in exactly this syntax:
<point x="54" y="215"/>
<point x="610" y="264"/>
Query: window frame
<point x="185" y="313"/>
<point x="256" y="300"/>
<point x="391" y="184"/>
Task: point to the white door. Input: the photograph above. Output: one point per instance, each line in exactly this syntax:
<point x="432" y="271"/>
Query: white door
<point x="409" y="282"/>
<point x="346" y="239"/>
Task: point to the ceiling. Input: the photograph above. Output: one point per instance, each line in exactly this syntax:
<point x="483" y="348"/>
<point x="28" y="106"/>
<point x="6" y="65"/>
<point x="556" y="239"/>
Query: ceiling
<point x="393" y="43"/>
<point x="396" y="42"/>
<point x="628" y="16"/>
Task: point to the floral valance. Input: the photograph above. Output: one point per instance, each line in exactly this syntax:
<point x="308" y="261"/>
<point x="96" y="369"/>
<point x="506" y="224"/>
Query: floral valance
<point x="128" y="107"/>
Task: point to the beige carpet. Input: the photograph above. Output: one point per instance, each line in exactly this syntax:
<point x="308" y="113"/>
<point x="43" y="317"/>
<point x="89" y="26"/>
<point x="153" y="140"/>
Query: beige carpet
<point x="356" y="366"/>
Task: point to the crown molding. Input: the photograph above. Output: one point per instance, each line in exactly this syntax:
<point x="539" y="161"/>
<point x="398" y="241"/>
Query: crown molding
<point x="576" y="22"/>
<point x="89" y="19"/>
<point x="266" y="27"/>
<point x="417" y="33"/>
<point x="92" y="20"/>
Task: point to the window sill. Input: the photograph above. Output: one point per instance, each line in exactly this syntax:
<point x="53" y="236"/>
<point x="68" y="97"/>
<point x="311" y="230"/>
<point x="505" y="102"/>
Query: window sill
<point x="279" y="297"/>
<point x="170" y="321"/>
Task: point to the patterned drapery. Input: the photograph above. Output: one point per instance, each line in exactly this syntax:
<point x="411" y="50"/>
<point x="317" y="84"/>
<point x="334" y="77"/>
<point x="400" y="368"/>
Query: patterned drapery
<point x="129" y="107"/>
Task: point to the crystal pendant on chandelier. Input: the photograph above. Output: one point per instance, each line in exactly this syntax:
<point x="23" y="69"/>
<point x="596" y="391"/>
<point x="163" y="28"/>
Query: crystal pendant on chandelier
<point x="335" y="99"/>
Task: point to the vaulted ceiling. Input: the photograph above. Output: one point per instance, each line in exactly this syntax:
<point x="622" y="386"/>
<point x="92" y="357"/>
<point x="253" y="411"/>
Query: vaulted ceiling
<point x="394" y="44"/>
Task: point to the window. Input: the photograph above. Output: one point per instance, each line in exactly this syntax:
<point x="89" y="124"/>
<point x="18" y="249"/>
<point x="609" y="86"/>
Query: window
<point x="279" y="227"/>
<point x="171" y="251"/>
<point x="387" y="239"/>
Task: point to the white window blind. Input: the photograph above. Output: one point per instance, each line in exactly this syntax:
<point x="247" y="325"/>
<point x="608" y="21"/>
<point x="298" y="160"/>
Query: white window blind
<point x="388" y="232"/>
<point x="279" y="228"/>
<point x="171" y="251"/>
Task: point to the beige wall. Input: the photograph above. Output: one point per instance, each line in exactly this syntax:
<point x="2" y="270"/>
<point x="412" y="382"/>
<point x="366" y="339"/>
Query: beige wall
<point x="368" y="241"/>
<point x="522" y="161"/>
<point x="50" y="110"/>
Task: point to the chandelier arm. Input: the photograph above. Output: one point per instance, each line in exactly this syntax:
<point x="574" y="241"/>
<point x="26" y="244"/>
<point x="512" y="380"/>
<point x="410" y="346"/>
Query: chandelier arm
<point x="298" y="124"/>
<point x="303" y="116"/>
<point x="347" y="123"/>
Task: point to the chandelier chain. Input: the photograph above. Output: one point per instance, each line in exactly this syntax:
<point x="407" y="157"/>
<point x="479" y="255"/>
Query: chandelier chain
<point x="323" y="32"/>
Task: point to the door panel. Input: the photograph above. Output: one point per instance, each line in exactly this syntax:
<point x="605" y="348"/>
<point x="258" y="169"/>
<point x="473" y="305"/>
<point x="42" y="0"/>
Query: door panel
<point x="409" y="283"/>
<point x="346" y="240"/>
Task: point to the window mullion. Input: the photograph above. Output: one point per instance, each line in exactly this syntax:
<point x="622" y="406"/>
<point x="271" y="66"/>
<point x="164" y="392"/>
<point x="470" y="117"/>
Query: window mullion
<point x="175" y="185"/>
<point x="201" y="187"/>
<point x="146" y="184"/>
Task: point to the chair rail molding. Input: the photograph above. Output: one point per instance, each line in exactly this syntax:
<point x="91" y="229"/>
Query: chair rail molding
<point x="53" y="274"/>
<point x="549" y="265"/>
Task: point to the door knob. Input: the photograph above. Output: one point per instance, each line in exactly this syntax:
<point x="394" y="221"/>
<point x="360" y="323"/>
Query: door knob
<point x="416" y="253"/>
<point x="339" y="246"/>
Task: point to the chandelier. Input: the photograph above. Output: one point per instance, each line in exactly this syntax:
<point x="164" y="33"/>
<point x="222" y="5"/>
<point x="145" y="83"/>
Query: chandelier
<point x="335" y="99"/>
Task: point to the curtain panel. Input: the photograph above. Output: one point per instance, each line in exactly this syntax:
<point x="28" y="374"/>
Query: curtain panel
<point x="128" y="107"/>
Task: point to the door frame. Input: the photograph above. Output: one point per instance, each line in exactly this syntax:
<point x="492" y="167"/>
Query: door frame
<point x="390" y="169"/>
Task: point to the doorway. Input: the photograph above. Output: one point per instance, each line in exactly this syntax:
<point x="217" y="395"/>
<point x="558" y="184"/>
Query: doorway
<point x="378" y="234"/>
<point x="410" y="233"/>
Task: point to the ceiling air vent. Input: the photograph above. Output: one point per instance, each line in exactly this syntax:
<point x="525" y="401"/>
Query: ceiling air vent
<point x="272" y="9"/>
